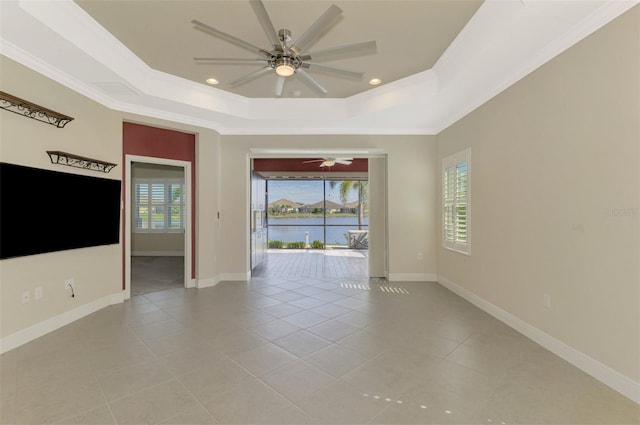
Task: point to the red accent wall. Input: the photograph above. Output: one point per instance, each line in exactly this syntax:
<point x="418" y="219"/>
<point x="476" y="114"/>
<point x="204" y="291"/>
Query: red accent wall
<point x="297" y="164"/>
<point x="143" y="140"/>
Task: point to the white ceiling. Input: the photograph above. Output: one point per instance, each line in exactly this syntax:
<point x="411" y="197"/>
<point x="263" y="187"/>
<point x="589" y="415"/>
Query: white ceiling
<point x="410" y="37"/>
<point x="438" y="59"/>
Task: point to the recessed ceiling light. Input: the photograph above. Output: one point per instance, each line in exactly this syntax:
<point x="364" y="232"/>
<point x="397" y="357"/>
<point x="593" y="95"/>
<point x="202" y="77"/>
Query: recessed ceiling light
<point x="213" y="81"/>
<point x="375" y="81"/>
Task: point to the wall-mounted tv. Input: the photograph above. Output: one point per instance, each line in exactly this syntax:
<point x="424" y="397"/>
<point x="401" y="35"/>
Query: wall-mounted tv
<point x="45" y="211"/>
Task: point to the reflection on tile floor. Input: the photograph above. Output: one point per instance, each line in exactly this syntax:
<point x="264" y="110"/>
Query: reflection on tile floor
<point x="298" y="351"/>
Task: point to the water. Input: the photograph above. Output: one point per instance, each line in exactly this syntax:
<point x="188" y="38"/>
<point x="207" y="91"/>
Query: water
<point x="292" y="229"/>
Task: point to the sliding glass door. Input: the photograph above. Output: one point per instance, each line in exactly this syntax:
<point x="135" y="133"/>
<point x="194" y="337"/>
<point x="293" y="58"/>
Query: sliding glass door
<point x="317" y="213"/>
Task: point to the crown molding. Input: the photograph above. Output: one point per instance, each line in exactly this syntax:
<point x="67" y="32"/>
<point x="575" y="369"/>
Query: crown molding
<point x="456" y="56"/>
<point x="502" y="43"/>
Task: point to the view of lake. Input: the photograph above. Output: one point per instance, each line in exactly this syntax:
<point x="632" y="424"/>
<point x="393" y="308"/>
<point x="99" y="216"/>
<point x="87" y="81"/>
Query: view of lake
<point x="292" y="229"/>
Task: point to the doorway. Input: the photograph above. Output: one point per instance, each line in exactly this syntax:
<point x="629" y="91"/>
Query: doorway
<point x="157" y="232"/>
<point x="334" y="225"/>
<point x="315" y="228"/>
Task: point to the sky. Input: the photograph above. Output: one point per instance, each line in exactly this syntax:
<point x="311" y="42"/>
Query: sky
<point x="305" y="191"/>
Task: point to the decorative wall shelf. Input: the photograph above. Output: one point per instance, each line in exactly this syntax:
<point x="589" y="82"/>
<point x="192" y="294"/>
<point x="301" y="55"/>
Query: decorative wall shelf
<point x="78" y="161"/>
<point x="31" y="110"/>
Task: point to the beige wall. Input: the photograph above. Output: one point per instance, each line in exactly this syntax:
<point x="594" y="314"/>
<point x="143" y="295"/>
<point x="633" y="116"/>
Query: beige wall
<point x="411" y="171"/>
<point x="96" y="132"/>
<point x="555" y="198"/>
<point x="96" y="271"/>
<point x="160" y="244"/>
<point x="209" y="184"/>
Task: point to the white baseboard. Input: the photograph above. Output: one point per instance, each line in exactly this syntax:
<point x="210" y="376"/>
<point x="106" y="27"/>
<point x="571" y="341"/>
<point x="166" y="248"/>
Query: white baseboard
<point x="413" y="277"/>
<point x="157" y="253"/>
<point x="192" y="283"/>
<point x="23" y="336"/>
<point x="235" y="276"/>
<point x="207" y="283"/>
<point x="608" y="376"/>
<point x="229" y="277"/>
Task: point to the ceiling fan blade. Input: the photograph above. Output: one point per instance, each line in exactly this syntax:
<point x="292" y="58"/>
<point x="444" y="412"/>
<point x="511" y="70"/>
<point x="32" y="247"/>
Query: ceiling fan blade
<point x="307" y="79"/>
<point x="228" y="37"/>
<point x="333" y="70"/>
<point x="356" y="49"/>
<point x="313" y="160"/>
<point x="250" y="76"/>
<point x="343" y="161"/>
<point x="280" y="85"/>
<point x="265" y="21"/>
<point x="231" y="60"/>
<point x="321" y="24"/>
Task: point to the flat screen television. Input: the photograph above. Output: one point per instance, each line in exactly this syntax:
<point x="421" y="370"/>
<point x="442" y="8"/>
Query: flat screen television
<point x="45" y="211"/>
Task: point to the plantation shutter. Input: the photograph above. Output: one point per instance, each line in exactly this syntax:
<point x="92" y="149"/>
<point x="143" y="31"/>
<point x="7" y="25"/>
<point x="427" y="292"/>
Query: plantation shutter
<point x="449" y="205"/>
<point x="176" y="205"/>
<point x="461" y="203"/>
<point x="456" y="202"/>
<point x="159" y="205"/>
<point x="142" y="206"/>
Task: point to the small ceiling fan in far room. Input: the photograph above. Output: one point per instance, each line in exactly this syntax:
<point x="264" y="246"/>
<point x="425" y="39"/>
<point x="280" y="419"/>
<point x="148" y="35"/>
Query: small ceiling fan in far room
<point x="330" y="162"/>
<point x="288" y="57"/>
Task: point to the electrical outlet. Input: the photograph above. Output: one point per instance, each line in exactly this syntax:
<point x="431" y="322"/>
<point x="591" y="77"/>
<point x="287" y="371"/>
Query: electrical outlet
<point x="39" y="293"/>
<point x="546" y="300"/>
<point x="26" y="297"/>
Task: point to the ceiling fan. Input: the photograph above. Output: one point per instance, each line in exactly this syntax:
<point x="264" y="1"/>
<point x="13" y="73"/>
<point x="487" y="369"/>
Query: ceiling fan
<point x="288" y="57"/>
<point x="330" y="162"/>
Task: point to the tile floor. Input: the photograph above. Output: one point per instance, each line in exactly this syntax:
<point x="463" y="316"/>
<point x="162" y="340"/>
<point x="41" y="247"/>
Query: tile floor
<point x="153" y="274"/>
<point x="298" y="350"/>
<point x="326" y="264"/>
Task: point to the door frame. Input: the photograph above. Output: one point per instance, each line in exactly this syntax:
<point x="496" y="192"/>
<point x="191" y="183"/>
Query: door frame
<point x="186" y="166"/>
<point x="368" y="153"/>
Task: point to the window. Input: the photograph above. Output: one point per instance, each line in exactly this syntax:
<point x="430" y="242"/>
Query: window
<point x="456" y="202"/>
<point x="159" y="205"/>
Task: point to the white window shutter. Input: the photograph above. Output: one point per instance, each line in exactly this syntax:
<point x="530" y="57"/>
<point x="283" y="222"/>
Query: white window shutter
<point x="159" y="205"/>
<point x="456" y="202"/>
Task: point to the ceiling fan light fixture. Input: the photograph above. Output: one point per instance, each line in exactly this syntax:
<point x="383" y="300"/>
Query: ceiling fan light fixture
<point x="284" y="67"/>
<point x="329" y="163"/>
<point x="289" y="59"/>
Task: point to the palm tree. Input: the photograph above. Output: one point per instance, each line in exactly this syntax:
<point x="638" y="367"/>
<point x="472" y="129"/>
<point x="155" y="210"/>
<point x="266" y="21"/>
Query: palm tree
<point x="362" y="186"/>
